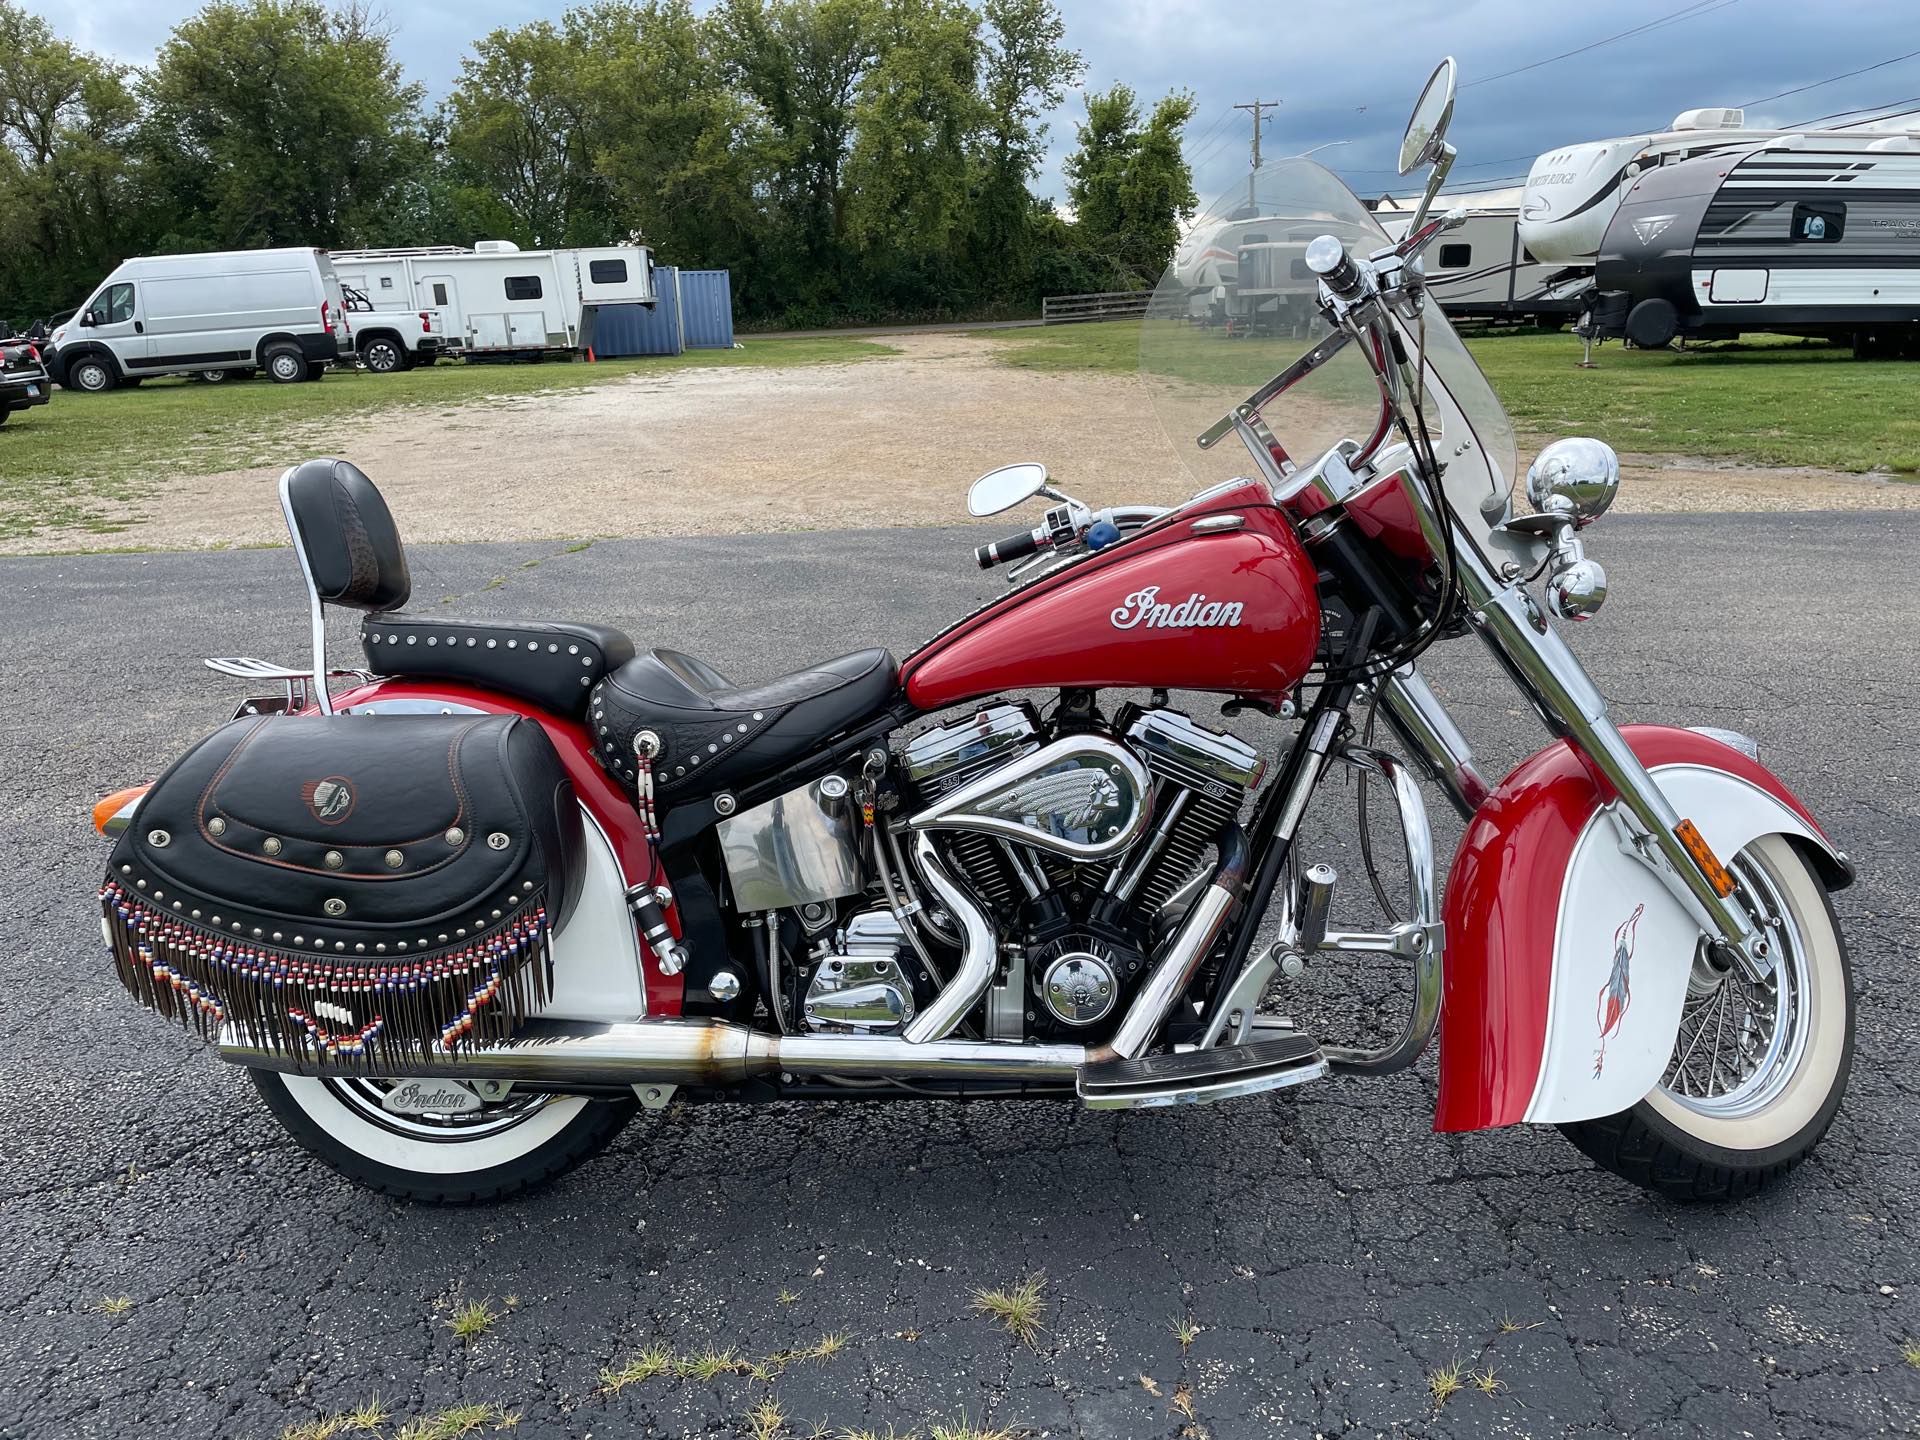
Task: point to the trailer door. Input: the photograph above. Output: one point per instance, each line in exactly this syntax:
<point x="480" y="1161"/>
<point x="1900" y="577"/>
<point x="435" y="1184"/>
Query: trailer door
<point x="441" y="301"/>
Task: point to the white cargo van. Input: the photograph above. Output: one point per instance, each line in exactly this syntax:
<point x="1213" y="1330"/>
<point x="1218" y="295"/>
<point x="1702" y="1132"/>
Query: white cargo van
<point x="495" y="300"/>
<point x="219" y="313"/>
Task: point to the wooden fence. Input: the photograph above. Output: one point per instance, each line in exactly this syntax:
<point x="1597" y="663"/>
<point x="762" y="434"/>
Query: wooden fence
<point x="1106" y="305"/>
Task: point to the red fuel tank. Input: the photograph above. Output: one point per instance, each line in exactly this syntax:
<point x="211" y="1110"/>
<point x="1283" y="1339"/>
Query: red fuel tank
<point x="1192" y="603"/>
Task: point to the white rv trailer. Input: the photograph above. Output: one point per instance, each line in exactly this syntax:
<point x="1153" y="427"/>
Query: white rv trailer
<point x="1482" y="270"/>
<point x="495" y="299"/>
<point x="1572" y="193"/>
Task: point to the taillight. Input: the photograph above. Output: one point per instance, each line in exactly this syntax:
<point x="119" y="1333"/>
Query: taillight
<point x="326" y="322"/>
<point x="34" y="351"/>
<point x="426" y="320"/>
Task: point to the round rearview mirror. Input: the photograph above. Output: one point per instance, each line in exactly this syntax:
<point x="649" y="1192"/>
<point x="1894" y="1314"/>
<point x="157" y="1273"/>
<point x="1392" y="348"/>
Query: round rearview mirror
<point x="1005" y="488"/>
<point x="1432" y="113"/>
<point x="1578" y="477"/>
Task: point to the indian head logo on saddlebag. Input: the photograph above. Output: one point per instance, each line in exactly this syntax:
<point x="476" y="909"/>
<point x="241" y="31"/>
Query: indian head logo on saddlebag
<point x="330" y="800"/>
<point x="1196" y="612"/>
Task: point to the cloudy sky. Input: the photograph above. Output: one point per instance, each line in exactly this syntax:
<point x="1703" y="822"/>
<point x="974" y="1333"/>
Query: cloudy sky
<point x="1333" y="82"/>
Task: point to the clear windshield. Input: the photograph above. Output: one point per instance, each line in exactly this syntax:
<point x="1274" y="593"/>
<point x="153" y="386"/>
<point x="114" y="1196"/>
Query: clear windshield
<point x="1238" y="305"/>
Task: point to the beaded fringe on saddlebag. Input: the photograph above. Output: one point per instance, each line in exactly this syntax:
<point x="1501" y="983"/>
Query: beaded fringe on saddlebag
<point x="349" y="887"/>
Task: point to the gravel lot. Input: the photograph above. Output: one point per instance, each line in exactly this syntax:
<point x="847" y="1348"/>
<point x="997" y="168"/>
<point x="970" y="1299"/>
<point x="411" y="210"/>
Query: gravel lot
<point x="893" y="440"/>
<point x="1332" y="1250"/>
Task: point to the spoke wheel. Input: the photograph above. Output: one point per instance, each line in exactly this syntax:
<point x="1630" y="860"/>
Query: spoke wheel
<point x="1740" y="1041"/>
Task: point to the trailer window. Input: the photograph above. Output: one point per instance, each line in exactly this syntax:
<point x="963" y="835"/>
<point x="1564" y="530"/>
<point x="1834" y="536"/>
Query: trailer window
<point x="523" y="287"/>
<point x="439" y="293"/>
<point x="607" y="272"/>
<point x="1456" y="256"/>
<point x="1821" y="221"/>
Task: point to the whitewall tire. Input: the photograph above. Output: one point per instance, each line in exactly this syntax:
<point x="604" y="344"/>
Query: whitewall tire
<point x="488" y="1154"/>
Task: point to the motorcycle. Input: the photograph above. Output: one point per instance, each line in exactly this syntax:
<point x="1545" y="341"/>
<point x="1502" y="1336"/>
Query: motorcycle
<point x="460" y="911"/>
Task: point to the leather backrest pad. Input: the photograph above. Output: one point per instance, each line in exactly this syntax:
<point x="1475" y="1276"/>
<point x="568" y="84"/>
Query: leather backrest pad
<point x="347" y="534"/>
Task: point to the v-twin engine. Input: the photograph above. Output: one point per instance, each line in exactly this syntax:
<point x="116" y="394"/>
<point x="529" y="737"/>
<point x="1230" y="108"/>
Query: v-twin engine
<point x="1080" y="846"/>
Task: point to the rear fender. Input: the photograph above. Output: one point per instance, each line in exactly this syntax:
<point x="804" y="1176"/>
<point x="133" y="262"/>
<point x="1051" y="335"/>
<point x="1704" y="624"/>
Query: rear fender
<point x="1567" y="960"/>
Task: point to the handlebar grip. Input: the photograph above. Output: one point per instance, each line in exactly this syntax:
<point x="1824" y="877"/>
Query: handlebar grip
<point x="1016" y="546"/>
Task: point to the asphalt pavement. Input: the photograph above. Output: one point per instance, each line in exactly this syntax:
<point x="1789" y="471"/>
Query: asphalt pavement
<point x="1326" y="1253"/>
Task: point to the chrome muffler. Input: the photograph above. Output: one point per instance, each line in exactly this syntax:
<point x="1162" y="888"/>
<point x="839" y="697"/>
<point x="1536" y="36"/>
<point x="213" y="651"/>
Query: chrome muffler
<point x="684" y="1052"/>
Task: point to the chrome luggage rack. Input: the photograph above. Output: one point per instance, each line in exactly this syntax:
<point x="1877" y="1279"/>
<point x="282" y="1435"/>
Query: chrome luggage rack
<point x="299" y="683"/>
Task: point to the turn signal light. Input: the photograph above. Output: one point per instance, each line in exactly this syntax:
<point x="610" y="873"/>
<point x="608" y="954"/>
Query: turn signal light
<point x="113" y="806"/>
<point x="1704" y="857"/>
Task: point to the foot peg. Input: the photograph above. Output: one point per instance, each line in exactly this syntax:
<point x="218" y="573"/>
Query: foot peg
<point x="1199" y="1077"/>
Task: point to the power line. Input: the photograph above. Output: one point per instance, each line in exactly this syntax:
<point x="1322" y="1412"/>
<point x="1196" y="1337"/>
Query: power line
<point x="1690" y="12"/>
<point x="1831" y="79"/>
<point x="1862" y="110"/>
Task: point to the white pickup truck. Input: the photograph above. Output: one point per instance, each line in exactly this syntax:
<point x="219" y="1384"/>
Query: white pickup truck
<point x="388" y="341"/>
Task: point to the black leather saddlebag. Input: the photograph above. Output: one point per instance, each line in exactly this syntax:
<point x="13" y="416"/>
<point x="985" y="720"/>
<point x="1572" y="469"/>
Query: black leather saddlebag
<point x="349" y="886"/>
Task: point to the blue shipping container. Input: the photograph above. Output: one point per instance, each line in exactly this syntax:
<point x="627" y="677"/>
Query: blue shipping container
<point x="641" y="329"/>
<point x="706" y="309"/>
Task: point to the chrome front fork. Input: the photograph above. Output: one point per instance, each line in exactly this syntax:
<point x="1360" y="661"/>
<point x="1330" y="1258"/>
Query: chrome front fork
<point x="1539" y="661"/>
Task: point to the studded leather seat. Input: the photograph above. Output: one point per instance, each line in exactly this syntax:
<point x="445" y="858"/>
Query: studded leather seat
<point x="715" y="735"/>
<point x="554" y="663"/>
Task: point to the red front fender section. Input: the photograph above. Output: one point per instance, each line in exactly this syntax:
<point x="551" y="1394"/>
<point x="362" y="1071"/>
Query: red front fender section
<point x="1503" y="909"/>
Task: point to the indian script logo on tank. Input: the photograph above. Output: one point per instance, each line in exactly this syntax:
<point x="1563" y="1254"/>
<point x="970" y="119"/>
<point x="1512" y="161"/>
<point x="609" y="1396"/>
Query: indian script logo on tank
<point x="330" y="800"/>
<point x="1196" y="612"/>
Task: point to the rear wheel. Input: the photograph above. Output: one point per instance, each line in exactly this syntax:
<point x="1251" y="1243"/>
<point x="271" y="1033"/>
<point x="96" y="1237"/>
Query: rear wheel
<point x="214" y="377"/>
<point x="384" y="356"/>
<point x="284" y="363"/>
<point x="1758" y="1070"/>
<point x="498" y="1150"/>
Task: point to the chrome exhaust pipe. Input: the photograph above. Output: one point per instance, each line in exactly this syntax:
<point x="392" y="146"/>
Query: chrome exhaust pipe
<point x="684" y="1052"/>
<point x="1190" y="944"/>
<point x="977" y="955"/>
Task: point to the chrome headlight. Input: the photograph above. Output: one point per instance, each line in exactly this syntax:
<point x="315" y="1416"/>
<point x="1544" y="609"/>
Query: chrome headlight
<point x="1577" y="476"/>
<point x="1577" y="591"/>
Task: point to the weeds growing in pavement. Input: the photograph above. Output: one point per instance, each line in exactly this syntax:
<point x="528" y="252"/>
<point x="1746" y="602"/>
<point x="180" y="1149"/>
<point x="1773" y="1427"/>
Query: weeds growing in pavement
<point x="114" y="1304"/>
<point x="473" y="1319"/>
<point x="1486" y="1382"/>
<point x="1016" y="1310"/>
<point x="653" y="1361"/>
<point x="965" y="1429"/>
<point x="458" y="1423"/>
<point x="1185" y="1329"/>
<point x="1910" y="1352"/>
<point x="767" y="1420"/>
<point x="1445" y="1383"/>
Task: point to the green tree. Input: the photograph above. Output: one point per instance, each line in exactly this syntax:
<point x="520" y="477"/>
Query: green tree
<point x="909" y="178"/>
<point x="517" y="127"/>
<point x="69" y="191"/>
<point x="801" y="63"/>
<point x="280" y="122"/>
<point x="1028" y="69"/>
<point x="1129" y="184"/>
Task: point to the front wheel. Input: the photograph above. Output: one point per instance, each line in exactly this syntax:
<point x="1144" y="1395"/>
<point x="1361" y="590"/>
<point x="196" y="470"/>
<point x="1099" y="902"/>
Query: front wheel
<point x="500" y="1149"/>
<point x="1757" y="1071"/>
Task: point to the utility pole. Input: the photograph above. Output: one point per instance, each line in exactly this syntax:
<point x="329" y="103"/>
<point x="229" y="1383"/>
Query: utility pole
<point x="1256" y="109"/>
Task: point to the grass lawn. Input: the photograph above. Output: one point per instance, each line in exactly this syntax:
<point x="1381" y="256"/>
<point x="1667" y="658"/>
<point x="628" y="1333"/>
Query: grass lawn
<point x="58" y="461"/>
<point x="1765" y="400"/>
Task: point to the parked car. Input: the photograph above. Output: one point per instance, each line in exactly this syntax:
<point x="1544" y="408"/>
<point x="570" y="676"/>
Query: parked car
<point x="232" y="311"/>
<point x="23" y="377"/>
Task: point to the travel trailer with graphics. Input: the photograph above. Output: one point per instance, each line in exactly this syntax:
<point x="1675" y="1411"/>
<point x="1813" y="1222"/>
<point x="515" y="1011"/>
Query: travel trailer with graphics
<point x="1482" y="270"/>
<point x="1803" y="239"/>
